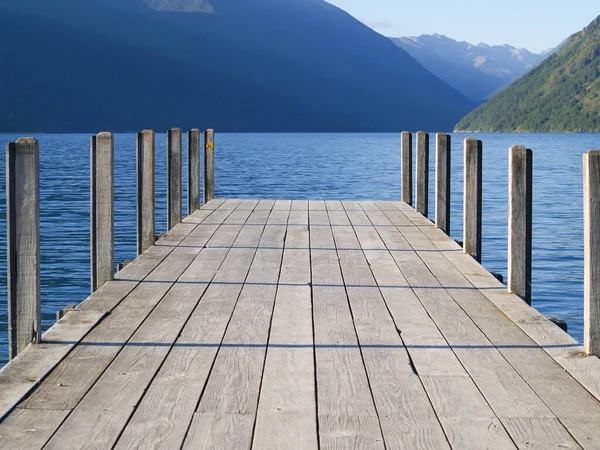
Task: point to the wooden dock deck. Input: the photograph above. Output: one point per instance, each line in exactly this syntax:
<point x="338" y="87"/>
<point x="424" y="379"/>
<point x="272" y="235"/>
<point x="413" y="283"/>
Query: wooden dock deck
<point x="302" y="324"/>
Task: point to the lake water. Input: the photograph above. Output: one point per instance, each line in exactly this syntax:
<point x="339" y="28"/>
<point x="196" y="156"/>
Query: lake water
<point x="312" y="166"/>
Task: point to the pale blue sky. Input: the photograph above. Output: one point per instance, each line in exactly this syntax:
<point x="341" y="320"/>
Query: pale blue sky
<point x="533" y="24"/>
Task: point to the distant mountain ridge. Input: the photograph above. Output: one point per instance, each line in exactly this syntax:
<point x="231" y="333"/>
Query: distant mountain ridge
<point x="561" y="94"/>
<point x="477" y="71"/>
<point x="235" y="65"/>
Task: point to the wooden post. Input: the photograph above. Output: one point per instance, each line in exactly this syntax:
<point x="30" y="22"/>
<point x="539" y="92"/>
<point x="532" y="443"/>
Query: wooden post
<point x="23" y="227"/>
<point x="591" y="218"/>
<point x="406" y="144"/>
<point x="520" y="209"/>
<point x="193" y="170"/>
<point x="93" y="214"/>
<point x="422" y="181"/>
<point x="102" y="209"/>
<point x="145" y="190"/>
<point x="209" y="165"/>
<point x="443" y="164"/>
<point x="473" y="198"/>
<point x="174" y="187"/>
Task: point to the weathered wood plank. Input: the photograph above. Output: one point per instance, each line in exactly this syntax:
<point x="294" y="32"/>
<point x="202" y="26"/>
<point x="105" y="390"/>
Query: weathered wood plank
<point x="20" y="431"/>
<point x="30" y="367"/>
<point x="112" y="400"/>
<point x="287" y="414"/>
<point x="558" y="344"/>
<point x="166" y="411"/>
<point x="235" y="379"/>
<point x="506" y="392"/>
<point x="344" y="397"/>
<point x="71" y="380"/>
<point x="406" y="414"/>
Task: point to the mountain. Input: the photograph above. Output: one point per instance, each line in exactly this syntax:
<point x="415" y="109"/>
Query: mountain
<point x="477" y="71"/>
<point x="562" y="94"/>
<point x="235" y="65"/>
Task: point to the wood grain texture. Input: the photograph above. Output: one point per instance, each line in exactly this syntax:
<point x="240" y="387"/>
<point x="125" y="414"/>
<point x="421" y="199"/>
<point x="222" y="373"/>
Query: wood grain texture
<point x="145" y="190"/>
<point x="209" y="165"/>
<point x="287" y="414"/>
<point x="407" y="168"/>
<point x="166" y="411"/>
<point x="235" y="379"/>
<point x="591" y="218"/>
<point x="473" y="168"/>
<point x="104" y="182"/>
<point x="23" y="244"/>
<point x="443" y="185"/>
<point x="406" y="414"/>
<point x="304" y="324"/>
<point x="21" y="432"/>
<point x="174" y="177"/>
<point x="193" y="188"/>
<point x="422" y="174"/>
<point x="520" y="221"/>
<point x="19" y="377"/>
<point x="115" y="395"/>
<point x="342" y="383"/>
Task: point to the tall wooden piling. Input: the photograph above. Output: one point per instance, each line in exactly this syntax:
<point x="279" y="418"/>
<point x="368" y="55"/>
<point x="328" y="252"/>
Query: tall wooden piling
<point x="23" y="230"/>
<point x="443" y="166"/>
<point x="209" y="165"/>
<point x="520" y="210"/>
<point x="473" y="198"/>
<point x="102" y="209"/>
<point x="407" y="181"/>
<point x="174" y="173"/>
<point x="422" y="174"/>
<point x="591" y="217"/>
<point x="145" y="190"/>
<point x="193" y="170"/>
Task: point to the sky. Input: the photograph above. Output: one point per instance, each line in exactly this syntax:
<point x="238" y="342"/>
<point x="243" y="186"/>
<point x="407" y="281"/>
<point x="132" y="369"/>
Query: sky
<point x="536" y="25"/>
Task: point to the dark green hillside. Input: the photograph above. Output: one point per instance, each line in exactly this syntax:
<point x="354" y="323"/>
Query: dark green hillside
<point x="235" y="65"/>
<point x="562" y="94"/>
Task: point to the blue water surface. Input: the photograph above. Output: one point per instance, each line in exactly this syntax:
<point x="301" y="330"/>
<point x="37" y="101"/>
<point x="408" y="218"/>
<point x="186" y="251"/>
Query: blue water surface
<point x="312" y="166"/>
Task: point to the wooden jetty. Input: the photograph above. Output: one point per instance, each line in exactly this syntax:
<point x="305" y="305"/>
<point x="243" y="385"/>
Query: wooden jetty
<point x="296" y="324"/>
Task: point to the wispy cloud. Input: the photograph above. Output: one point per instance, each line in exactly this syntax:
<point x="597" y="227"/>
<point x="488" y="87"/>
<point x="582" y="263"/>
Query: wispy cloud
<point x="378" y="24"/>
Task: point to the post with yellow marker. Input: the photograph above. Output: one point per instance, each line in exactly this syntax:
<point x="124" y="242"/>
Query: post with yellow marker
<point x="209" y="165"/>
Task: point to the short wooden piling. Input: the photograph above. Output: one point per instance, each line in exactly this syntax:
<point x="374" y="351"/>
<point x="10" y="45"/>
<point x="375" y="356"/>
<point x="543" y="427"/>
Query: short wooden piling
<point x="422" y="174"/>
<point x="145" y="190"/>
<point x="193" y="170"/>
<point x="23" y="230"/>
<point x="443" y="166"/>
<point x="520" y="209"/>
<point x="209" y="165"/>
<point x="174" y="173"/>
<point x="102" y="209"/>
<point x="591" y="217"/>
<point x="473" y="198"/>
<point x="407" y="150"/>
